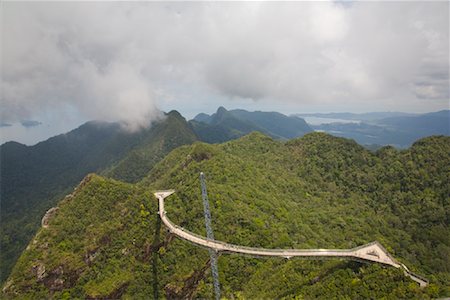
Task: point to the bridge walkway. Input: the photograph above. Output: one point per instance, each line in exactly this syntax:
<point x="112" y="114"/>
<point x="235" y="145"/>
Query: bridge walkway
<point x="372" y="252"/>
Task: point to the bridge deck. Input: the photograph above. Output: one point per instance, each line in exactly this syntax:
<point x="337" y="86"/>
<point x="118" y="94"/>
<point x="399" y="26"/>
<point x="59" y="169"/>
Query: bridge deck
<point x="372" y="252"/>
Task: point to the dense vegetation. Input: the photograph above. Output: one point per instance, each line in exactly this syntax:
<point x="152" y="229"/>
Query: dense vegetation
<point x="34" y="178"/>
<point x="106" y="240"/>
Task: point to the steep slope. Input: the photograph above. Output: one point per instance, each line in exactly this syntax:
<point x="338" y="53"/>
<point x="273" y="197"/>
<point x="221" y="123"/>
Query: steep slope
<point x="226" y="125"/>
<point x="33" y="178"/>
<point x="318" y="191"/>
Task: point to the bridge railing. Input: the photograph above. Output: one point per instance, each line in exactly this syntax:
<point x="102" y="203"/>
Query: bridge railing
<point x="381" y="247"/>
<point x="418" y="276"/>
<point x="350" y="253"/>
<point x="253" y="249"/>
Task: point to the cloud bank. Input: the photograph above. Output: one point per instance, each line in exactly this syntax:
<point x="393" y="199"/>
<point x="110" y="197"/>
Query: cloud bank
<point x="121" y="61"/>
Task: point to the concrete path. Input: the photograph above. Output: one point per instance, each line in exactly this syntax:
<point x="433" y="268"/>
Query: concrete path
<point x="372" y="252"/>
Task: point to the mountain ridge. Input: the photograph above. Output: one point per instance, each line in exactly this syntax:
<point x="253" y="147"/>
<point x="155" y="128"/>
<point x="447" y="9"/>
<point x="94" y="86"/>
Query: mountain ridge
<point x="230" y="124"/>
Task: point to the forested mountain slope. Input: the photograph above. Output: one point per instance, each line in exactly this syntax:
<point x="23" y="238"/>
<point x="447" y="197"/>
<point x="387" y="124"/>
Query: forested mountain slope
<point x="318" y="191"/>
<point x="34" y="178"/>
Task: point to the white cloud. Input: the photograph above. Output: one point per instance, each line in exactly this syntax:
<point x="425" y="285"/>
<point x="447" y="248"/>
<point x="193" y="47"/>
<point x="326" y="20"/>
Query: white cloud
<point x="120" y="61"/>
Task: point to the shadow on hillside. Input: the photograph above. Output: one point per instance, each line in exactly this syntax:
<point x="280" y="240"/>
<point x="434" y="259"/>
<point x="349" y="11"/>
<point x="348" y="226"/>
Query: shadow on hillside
<point x="155" y="254"/>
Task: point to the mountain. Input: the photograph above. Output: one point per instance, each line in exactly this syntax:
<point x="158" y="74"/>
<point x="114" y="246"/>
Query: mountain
<point x="34" y="178"/>
<point x="400" y="131"/>
<point x="275" y="123"/>
<point x="223" y="126"/>
<point x="202" y="117"/>
<point x="153" y="147"/>
<point x="226" y="125"/>
<point x="105" y="240"/>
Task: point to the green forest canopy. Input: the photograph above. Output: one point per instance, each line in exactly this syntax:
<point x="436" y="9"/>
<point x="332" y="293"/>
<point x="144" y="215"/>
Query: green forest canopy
<point x="317" y="191"/>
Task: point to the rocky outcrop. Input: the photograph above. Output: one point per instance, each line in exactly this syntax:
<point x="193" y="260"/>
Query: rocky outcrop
<point x="90" y="256"/>
<point x="52" y="211"/>
<point x="39" y="271"/>
<point x="48" y="215"/>
<point x="83" y="182"/>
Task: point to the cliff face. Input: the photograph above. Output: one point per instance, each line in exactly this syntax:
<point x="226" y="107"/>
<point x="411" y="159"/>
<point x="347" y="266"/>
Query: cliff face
<point x="105" y="240"/>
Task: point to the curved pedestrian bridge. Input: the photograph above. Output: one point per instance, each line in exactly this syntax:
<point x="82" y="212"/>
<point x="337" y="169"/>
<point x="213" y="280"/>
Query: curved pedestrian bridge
<point x="372" y="252"/>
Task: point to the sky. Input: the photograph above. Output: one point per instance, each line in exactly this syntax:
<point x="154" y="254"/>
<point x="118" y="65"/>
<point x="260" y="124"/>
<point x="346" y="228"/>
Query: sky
<point x="64" y="63"/>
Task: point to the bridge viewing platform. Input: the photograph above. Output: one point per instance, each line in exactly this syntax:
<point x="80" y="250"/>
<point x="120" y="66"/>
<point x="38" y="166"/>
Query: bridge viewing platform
<point x="372" y="252"/>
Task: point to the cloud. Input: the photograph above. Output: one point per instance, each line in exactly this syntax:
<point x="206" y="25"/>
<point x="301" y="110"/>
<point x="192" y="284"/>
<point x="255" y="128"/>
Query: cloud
<point x="121" y="61"/>
<point x="51" y="59"/>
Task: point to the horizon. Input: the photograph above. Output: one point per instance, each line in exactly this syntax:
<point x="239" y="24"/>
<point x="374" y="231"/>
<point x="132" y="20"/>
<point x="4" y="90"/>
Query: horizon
<point x="32" y="134"/>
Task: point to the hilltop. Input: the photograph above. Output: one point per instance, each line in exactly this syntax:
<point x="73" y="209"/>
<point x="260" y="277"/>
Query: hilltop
<point x="105" y="239"/>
